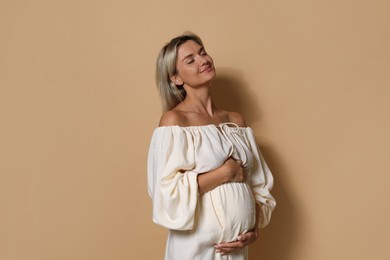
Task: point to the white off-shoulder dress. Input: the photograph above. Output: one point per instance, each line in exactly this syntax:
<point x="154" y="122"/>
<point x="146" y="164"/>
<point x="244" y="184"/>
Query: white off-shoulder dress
<point x="196" y="222"/>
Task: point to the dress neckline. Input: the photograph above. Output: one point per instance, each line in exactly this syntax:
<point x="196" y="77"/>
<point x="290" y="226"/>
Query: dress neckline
<point x="218" y="126"/>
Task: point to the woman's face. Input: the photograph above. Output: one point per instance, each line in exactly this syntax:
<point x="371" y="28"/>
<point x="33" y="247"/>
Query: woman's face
<point x="194" y="66"/>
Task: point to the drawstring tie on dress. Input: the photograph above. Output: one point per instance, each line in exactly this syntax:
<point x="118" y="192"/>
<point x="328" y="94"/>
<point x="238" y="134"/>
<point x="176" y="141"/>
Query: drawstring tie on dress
<point x="233" y="129"/>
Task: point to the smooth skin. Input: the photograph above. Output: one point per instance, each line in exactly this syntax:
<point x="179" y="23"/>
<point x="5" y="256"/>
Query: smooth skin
<point x="195" y="71"/>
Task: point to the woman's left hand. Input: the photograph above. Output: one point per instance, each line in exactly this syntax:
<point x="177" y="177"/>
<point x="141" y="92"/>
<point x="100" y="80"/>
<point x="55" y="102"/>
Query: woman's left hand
<point x="242" y="241"/>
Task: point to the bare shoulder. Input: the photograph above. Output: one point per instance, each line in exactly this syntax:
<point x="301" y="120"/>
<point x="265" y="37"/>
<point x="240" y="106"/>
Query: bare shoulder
<point x="236" y="118"/>
<point x="172" y="117"/>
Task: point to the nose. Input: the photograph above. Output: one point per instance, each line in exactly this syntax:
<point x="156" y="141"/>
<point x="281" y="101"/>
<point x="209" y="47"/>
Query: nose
<point x="202" y="60"/>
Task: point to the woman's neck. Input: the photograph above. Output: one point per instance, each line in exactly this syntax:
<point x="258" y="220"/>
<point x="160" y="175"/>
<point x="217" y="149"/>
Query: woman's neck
<point x="199" y="101"/>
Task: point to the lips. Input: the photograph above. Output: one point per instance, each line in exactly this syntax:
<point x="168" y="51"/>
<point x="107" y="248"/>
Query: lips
<point x="206" y="69"/>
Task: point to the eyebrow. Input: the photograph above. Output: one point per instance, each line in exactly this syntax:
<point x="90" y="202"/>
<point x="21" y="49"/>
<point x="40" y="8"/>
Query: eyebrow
<point x="190" y="55"/>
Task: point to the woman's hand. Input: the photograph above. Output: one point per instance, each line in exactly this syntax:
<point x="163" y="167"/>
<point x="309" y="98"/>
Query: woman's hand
<point x="234" y="170"/>
<point x="243" y="240"/>
<point x="230" y="171"/>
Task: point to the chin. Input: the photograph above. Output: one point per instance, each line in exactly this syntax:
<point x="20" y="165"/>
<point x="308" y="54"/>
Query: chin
<point x="213" y="74"/>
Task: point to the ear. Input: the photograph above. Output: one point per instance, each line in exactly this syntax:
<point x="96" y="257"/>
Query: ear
<point x="177" y="80"/>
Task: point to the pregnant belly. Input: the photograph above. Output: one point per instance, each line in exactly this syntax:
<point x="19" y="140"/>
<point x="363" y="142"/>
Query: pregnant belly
<point x="234" y="207"/>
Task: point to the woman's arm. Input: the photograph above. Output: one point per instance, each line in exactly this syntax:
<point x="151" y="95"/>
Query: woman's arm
<point x="230" y="171"/>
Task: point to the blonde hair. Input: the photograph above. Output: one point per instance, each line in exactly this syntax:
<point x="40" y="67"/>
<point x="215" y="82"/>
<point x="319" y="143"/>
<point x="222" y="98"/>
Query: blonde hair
<point x="170" y="93"/>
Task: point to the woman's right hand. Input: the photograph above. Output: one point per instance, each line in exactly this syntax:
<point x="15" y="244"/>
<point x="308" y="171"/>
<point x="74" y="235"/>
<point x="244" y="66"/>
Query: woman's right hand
<point x="231" y="171"/>
<point x="234" y="170"/>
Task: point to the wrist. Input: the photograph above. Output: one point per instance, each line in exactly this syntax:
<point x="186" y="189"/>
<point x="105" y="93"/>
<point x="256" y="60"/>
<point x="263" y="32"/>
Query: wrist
<point x="224" y="173"/>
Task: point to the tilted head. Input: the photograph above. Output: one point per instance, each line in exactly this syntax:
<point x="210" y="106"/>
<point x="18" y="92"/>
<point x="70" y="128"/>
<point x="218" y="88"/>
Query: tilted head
<point x="171" y="94"/>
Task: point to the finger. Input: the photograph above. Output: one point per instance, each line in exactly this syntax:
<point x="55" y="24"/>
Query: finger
<point x="228" y="250"/>
<point x="242" y="241"/>
<point x="230" y="245"/>
<point x="244" y="237"/>
<point x="247" y="236"/>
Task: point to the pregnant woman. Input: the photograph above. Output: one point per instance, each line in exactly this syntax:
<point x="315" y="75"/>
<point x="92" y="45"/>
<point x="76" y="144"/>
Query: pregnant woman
<point x="207" y="179"/>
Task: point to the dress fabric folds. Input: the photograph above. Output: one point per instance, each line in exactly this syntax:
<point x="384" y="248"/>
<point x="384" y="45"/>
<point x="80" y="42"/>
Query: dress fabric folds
<point x="196" y="222"/>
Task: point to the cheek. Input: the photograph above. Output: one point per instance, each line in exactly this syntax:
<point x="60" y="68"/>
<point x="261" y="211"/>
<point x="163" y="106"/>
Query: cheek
<point x="187" y="74"/>
<point x="189" y="70"/>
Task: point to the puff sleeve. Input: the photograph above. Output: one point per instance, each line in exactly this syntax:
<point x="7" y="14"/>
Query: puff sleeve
<point x="261" y="181"/>
<point x="172" y="185"/>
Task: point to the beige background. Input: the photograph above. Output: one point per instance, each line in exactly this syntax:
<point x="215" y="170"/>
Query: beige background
<point x="78" y="105"/>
